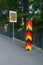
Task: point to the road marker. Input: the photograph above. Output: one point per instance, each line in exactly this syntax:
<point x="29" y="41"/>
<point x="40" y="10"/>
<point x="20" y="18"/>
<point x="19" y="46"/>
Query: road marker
<point x="29" y="35"/>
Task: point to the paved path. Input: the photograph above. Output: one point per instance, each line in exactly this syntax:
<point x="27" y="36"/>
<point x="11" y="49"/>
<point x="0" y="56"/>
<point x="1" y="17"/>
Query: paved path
<point x="15" y="53"/>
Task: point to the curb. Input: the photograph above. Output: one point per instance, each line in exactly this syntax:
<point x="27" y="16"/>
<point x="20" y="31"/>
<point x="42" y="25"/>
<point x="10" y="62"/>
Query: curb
<point x="32" y="45"/>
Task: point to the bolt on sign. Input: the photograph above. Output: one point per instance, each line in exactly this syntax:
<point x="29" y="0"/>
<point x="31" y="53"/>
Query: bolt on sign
<point x="13" y="16"/>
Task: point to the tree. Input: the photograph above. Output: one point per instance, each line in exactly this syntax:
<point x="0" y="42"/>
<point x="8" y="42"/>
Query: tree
<point x="33" y="8"/>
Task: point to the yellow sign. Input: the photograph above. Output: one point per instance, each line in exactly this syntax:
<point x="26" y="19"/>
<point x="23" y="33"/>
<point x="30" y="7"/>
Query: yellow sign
<point x="13" y="16"/>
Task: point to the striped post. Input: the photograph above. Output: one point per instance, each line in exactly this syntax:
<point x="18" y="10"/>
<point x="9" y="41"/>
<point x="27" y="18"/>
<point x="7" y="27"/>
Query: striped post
<point x="29" y="35"/>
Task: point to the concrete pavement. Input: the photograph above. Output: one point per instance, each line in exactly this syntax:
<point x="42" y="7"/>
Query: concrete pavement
<point x="14" y="53"/>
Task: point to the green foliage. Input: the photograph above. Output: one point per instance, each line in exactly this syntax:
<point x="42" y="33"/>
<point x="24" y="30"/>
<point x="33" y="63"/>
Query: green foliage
<point x="17" y="6"/>
<point x="36" y="19"/>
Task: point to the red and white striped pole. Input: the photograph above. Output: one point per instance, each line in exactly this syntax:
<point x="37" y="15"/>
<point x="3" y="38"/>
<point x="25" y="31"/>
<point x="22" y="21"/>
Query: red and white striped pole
<point x="29" y="35"/>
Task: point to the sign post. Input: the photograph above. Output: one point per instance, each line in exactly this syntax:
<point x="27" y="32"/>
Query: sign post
<point x="13" y="19"/>
<point x="13" y="31"/>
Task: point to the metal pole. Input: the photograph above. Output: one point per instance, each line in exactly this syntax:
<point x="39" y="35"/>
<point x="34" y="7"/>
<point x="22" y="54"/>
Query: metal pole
<point x="13" y="31"/>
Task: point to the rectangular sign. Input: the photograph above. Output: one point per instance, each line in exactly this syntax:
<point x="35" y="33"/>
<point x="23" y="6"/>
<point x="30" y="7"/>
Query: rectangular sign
<point x="13" y="16"/>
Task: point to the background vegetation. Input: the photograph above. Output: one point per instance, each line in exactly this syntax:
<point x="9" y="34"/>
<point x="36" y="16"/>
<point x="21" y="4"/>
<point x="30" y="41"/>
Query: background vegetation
<point x="35" y="11"/>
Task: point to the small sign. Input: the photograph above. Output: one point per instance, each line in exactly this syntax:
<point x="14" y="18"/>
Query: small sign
<point x="13" y="16"/>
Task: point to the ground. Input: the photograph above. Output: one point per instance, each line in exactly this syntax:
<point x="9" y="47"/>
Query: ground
<point x="14" y="53"/>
